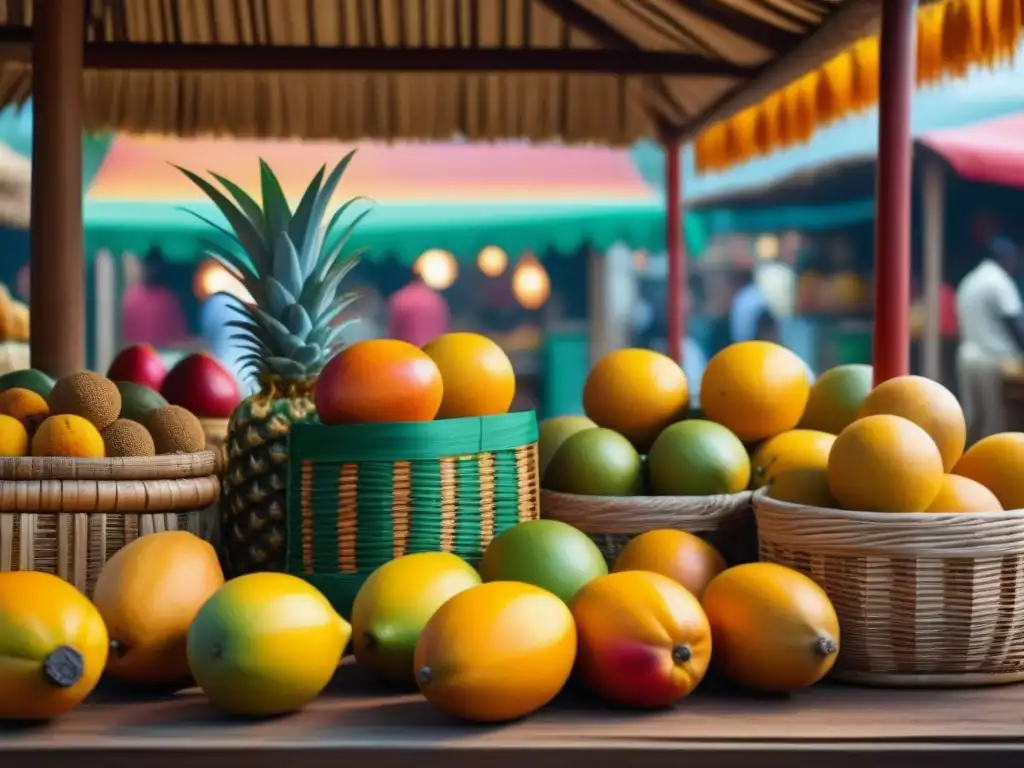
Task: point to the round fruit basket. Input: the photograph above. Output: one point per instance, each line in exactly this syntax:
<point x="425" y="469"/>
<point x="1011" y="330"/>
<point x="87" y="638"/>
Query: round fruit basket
<point x="69" y="516"/>
<point x="723" y="520"/>
<point x="361" y="495"/>
<point x="923" y="599"/>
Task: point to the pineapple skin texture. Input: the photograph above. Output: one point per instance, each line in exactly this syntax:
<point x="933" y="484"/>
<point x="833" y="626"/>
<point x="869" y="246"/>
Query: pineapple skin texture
<point x="254" y="498"/>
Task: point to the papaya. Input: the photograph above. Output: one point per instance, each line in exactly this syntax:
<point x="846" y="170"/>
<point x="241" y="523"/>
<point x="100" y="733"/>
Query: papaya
<point x="53" y="646"/>
<point x="148" y="594"/>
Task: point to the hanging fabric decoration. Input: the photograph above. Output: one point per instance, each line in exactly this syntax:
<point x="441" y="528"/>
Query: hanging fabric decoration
<point x="953" y="37"/>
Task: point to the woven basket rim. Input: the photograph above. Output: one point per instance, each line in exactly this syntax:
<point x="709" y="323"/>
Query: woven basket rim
<point x="635" y="514"/>
<point x="171" y="466"/>
<point x="761" y="497"/>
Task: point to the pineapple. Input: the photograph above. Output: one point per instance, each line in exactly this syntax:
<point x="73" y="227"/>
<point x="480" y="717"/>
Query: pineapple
<point x="292" y="266"/>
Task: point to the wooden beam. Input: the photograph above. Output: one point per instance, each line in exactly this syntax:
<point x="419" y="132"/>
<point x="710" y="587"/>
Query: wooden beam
<point x="15" y="45"/>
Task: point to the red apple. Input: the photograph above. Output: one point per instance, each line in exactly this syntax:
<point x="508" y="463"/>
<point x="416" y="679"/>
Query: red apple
<point x="202" y="385"/>
<point x="139" y="363"/>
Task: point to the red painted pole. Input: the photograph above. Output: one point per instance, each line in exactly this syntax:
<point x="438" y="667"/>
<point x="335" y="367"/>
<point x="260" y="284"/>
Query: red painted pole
<point x="676" y="280"/>
<point x="892" y="195"/>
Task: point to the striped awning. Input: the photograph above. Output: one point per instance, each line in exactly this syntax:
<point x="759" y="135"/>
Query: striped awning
<point x="607" y="71"/>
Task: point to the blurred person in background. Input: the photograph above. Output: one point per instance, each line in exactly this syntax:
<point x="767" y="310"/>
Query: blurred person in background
<point x="417" y="313"/>
<point x="991" y="317"/>
<point x="151" y="313"/>
<point x="219" y="337"/>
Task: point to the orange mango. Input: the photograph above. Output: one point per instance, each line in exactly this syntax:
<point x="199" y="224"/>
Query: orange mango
<point x="644" y="640"/>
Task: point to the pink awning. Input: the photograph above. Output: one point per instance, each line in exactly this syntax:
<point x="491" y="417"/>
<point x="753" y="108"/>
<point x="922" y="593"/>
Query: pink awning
<point x="139" y="168"/>
<point x="991" y="152"/>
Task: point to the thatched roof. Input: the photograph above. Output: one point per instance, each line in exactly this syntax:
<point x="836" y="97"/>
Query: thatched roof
<point x="607" y="71"/>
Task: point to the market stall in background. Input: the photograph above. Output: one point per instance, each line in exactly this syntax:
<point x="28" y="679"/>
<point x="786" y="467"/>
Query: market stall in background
<point x="507" y="233"/>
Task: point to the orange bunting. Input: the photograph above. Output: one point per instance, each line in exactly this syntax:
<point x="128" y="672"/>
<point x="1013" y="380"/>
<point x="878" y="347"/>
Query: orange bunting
<point x="952" y="38"/>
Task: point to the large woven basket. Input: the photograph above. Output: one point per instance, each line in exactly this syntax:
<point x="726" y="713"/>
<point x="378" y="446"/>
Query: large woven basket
<point x="923" y="599"/>
<point x="68" y="516"/>
<point x="362" y="495"/>
<point x="725" y="521"/>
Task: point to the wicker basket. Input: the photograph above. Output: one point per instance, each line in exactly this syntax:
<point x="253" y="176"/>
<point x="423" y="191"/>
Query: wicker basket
<point x="68" y="516"/>
<point x="725" y="521"/>
<point x="216" y="431"/>
<point x="923" y="599"/>
<point x="365" y="494"/>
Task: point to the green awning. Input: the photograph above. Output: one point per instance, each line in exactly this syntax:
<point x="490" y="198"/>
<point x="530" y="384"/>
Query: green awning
<point x="404" y="231"/>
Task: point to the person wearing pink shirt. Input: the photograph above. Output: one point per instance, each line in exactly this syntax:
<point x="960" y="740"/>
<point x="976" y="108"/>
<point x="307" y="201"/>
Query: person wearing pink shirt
<point x="151" y="312"/>
<point x="417" y="313"/>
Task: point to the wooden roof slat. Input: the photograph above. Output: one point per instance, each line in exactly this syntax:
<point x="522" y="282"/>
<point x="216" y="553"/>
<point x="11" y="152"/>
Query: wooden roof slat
<point x="488" y="69"/>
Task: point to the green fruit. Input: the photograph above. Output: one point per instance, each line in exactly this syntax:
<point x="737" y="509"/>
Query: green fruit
<point x="698" y="458"/>
<point x="27" y="378"/>
<point x="554" y="431"/>
<point x="836" y="398"/>
<point x="549" y="554"/>
<point x="595" y="462"/>
<point x="396" y="602"/>
<point x="137" y="400"/>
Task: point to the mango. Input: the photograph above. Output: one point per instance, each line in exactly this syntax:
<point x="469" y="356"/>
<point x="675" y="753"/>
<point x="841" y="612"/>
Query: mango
<point x="644" y="640"/>
<point x="265" y="644"/>
<point x="395" y="603"/>
<point x="53" y="646"/>
<point x="496" y="652"/>
<point x="148" y="594"/>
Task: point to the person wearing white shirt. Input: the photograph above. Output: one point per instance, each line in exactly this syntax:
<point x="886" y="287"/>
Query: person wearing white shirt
<point x="990" y="309"/>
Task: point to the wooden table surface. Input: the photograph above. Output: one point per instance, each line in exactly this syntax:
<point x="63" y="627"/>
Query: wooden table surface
<point x="356" y="724"/>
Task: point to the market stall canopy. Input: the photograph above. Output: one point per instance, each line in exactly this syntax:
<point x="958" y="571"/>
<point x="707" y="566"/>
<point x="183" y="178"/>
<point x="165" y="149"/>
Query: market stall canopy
<point x="990" y="153"/>
<point x="579" y="70"/>
<point x="457" y="196"/>
<point x="952" y="36"/>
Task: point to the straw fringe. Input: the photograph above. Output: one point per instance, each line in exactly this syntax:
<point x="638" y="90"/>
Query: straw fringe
<point x="952" y="38"/>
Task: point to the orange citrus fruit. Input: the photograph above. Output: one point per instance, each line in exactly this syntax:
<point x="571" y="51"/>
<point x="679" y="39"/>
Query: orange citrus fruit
<point x="795" y="449"/>
<point x="926" y="403"/>
<point x="995" y="462"/>
<point x="496" y="652"/>
<point x="961" y="494"/>
<point x="772" y="628"/>
<point x="755" y="388"/>
<point x="686" y="559"/>
<point x="644" y="640"/>
<point x="807" y="486"/>
<point x="884" y="463"/>
<point x="477" y="374"/>
<point x="378" y="380"/>
<point x="637" y="393"/>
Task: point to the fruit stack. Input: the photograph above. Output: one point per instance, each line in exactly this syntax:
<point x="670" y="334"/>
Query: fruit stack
<point x="904" y="527"/>
<point x="638" y="440"/>
<point x="487" y="645"/>
<point x="428" y="457"/>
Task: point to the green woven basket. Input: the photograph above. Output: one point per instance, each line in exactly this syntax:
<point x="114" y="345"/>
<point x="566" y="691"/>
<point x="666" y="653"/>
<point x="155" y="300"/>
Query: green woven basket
<point x="364" y="494"/>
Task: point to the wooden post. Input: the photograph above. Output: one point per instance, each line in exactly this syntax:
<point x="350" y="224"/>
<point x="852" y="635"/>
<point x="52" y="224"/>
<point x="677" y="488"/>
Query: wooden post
<point x="58" y="270"/>
<point x="676" y="279"/>
<point x="934" y="222"/>
<point x="892" y="198"/>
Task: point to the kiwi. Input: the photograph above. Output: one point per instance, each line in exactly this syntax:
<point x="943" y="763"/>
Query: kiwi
<point x="128" y="438"/>
<point x="87" y="394"/>
<point x="175" y="430"/>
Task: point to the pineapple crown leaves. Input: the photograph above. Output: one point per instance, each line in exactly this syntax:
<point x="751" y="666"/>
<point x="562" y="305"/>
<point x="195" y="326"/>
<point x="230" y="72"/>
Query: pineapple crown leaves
<point x="290" y="263"/>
